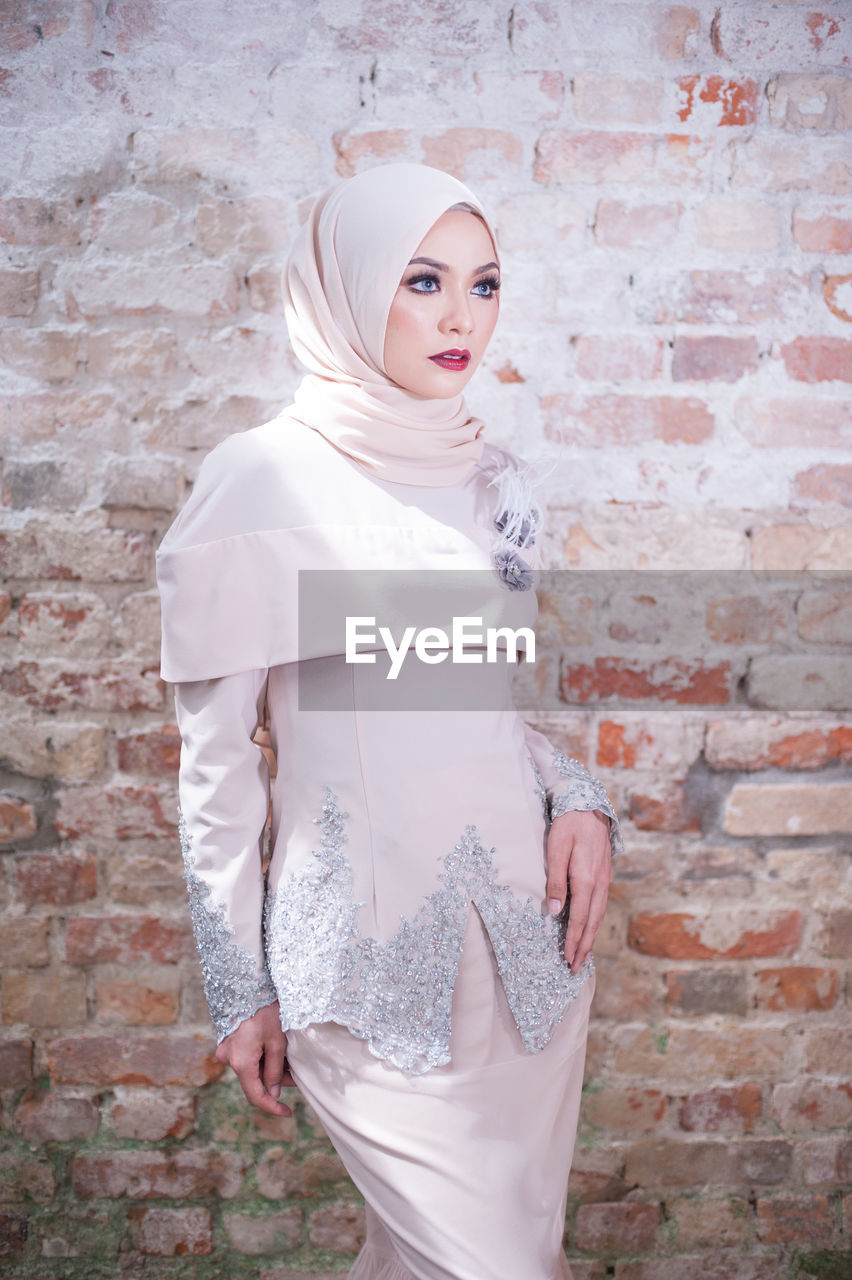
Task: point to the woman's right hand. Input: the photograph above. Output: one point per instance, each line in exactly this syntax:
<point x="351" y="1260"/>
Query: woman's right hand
<point x="257" y="1051"/>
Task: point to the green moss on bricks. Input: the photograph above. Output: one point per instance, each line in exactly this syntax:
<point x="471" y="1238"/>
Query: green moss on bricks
<point x="825" y="1265"/>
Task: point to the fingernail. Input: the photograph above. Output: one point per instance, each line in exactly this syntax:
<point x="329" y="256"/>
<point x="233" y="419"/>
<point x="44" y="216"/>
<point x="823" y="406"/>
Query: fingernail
<point x="554" y="905"/>
<point x="275" y="1090"/>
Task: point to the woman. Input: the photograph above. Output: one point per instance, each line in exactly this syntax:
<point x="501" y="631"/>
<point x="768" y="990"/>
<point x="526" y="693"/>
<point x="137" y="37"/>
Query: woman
<point x="403" y="963"/>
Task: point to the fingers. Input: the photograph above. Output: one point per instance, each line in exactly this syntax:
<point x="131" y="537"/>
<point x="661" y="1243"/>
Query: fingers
<point x="274" y="1057"/>
<point x="559" y="846"/>
<point x="583" y="926"/>
<point x="578" y="854"/>
<point x="249" y="1077"/>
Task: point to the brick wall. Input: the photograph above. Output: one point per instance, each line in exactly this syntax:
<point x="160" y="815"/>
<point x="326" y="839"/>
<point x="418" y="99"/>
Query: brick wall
<point x="671" y="187"/>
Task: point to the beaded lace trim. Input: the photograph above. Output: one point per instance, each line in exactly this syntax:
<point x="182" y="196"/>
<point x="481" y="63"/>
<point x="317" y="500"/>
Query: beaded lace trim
<point x="540" y="789"/>
<point x="397" y="995"/>
<point x="232" y="984"/>
<point x="584" y="792"/>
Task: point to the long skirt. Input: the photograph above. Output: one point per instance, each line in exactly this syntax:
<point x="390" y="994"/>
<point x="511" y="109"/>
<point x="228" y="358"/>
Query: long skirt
<point x="464" y="1169"/>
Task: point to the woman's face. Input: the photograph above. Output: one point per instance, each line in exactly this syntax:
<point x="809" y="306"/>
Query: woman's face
<point x="445" y="309"/>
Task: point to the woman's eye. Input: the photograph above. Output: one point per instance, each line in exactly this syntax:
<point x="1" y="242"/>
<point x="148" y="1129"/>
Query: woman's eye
<point x="424" y="284"/>
<point x="487" y="288"/>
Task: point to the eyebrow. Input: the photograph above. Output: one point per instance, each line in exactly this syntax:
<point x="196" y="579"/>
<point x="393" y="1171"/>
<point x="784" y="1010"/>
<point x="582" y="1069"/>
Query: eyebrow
<point x="442" y="266"/>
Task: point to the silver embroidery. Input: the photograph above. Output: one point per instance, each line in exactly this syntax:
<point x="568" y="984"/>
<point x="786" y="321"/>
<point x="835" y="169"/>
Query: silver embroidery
<point x="585" y="792"/>
<point x="232" y="985"/>
<point x="540" y="789"/>
<point x="397" y="995"/>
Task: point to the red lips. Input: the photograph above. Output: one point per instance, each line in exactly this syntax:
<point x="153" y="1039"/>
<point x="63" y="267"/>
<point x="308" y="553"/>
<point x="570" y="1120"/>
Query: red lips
<point x="453" y="359"/>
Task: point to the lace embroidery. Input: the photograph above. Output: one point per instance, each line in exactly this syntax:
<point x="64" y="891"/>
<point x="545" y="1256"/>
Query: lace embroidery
<point x="232" y="985"/>
<point x="540" y="789"/>
<point x="585" y="792"/>
<point x="397" y="995"/>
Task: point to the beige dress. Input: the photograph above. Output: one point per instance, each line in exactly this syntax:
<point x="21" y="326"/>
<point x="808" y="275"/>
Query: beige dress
<point x="432" y="1021"/>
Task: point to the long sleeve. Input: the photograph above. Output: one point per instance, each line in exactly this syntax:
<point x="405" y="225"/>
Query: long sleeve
<point x="568" y="784"/>
<point x="224" y="797"/>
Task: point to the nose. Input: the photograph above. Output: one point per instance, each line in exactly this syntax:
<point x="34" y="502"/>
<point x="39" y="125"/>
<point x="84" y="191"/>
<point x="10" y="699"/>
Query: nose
<point x="457" y="317"/>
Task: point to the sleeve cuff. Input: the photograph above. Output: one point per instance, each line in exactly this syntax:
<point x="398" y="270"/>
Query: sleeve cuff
<point x="582" y="791"/>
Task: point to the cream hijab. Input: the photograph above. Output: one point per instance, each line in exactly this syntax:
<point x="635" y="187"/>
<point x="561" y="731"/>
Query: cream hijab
<point x="339" y="282"/>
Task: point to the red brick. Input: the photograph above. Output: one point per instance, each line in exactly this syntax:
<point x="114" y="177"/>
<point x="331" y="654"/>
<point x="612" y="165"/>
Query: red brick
<point x="736" y="100"/>
<point x="736" y="936"/>
<point x="824" y="482"/>
<point x="471" y="153"/>
<point x="17" y="819"/>
<point x="44" y="998"/>
<point x="340" y="1228"/>
<point x="833" y="291"/>
<point x="13" y="1232"/>
<point x="650" y="742"/>
<point x="822" y="233"/>
<point x="806" y="1221"/>
<point x="153" y="752"/>
<point x="609" y="98"/>
<point x="703" y="991"/>
<point x="23" y="941"/>
<point x="668" y="680"/>
<point x="805" y="1105"/>
<point x="793" y="421"/>
<point x="595" y="156"/>
<point x="280" y="1176"/>
<point x="667" y="1162"/>
<point x="150" y="1002"/>
<point x="713" y="358"/>
<point x="821" y="359"/>
<point x="624" y="1227"/>
<point x="49" y="1117"/>
<point x="31" y="220"/>
<point x="127" y="940"/>
<point x="626" y="419"/>
<point x="700" y="1220"/>
<point x="624" y="1110"/>
<point x="836" y="938"/>
<point x="354" y="148"/>
<point x="800" y="989"/>
<point x="670" y="811"/>
<point x="170" y="1232"/>
<point x="152" y="1115"/>
<point x="55" y="877"/>
<point x="16" y="1062"/>
<point x="724" y="297"/>
<point x="722" y="1110"/>
<point x="150" y="1060"/>
<point x="23" y="1177"/>
<point x="759" y="743"/>
<point x="260" y="1234"/>
<point x="618" y="357"/>
<point x="748" y="619"/>
<point x="146" y="1175"/>
<point x="685" y="1055"/>
<point x="19" y="291"/>
<point x="103" y="686"/>
<point x="829" y="1049"/>
<point x="644" y="226"/>
<point x="828" y="1161"/>
<point x="825" y="617"/>
<point x="121" y="813"/>
<point x="710" y="1264"/>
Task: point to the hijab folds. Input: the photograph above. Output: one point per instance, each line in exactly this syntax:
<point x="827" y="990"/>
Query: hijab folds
<point x="339" y="282"/>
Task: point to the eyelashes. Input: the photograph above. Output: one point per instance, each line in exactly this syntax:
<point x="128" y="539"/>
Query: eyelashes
<point x="429" y="277"/>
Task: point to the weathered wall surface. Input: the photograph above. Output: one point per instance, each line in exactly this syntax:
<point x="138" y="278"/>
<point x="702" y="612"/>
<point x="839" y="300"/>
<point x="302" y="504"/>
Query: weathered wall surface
<point x="671" y="185"/>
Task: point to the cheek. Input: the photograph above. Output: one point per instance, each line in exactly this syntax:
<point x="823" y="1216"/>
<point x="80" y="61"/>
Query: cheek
<point x="404" y="331"/>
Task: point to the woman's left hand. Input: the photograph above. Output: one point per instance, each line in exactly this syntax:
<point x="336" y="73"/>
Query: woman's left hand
<point x="578" y="859"/>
